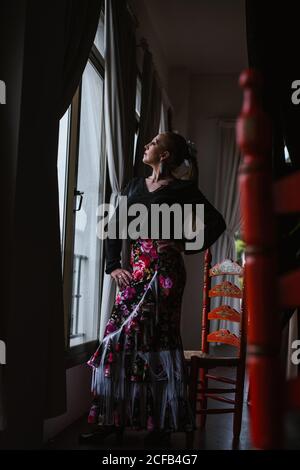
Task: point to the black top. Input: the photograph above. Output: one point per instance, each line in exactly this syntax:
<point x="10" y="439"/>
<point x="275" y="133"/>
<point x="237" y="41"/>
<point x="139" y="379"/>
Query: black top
<point x="178" y="191"/>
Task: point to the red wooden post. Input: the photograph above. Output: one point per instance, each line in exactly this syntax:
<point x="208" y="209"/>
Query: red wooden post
<point x="254" y="139"/>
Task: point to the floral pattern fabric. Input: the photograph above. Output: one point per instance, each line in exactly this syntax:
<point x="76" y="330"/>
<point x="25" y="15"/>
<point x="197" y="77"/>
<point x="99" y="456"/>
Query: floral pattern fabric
<point x="139" y="369"/>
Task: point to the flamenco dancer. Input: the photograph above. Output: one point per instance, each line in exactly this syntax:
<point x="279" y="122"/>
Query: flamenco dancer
<point x="139" y="373"/>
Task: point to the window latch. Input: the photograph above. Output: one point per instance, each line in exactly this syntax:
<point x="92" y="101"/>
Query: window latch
<point x="78" y="193"/>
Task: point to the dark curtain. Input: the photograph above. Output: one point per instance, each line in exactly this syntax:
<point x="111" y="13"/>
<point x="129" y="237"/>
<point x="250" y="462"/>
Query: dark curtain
<point x="44" y="48"/>
<point x="150" y="113"/>
<point x="272" y="40"/>
<point x="81" y="21"/>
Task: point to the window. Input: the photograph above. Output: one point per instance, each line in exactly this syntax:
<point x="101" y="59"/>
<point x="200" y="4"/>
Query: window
<point x="81" y="179"/>
<point x="240" y="248"/>
<point x="287" y="155"/>
<point x="99" y="38"/>
<point x="138" y="100"/>
<point x="89" y="194"/>
<point x="163" y="125"/>
<point x="138" y="103"/>
<point x="62" y="170"/>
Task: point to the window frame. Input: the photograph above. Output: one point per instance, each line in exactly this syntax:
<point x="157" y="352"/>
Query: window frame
<point x="78" y="354"/>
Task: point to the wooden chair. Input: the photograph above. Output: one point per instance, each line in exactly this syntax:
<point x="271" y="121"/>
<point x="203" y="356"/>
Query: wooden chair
<point x="267" y="292"/>
<point x="200" y="362"/>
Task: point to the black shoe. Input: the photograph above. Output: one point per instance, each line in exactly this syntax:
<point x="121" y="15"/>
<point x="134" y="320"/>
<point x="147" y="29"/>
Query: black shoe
<point x="99" y="435"/>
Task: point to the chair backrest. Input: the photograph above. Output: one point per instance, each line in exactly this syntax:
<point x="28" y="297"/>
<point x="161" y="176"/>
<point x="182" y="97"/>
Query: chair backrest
<point x="223" y="312"/>
<point x="261" y="201"/>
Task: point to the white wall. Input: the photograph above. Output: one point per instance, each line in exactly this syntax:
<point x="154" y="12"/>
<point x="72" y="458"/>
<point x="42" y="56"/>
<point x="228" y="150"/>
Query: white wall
<point x="179" y="93"/>
<point x="79" y="399"/>
<point x="198" y="101"/>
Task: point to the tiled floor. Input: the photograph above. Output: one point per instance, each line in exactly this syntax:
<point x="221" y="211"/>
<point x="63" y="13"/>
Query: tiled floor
<point x="216" y="436"/>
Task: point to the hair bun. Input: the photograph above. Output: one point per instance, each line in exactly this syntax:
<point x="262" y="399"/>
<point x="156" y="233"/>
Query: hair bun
<point x="184" y="154"/>
<point x="192" y="151"/>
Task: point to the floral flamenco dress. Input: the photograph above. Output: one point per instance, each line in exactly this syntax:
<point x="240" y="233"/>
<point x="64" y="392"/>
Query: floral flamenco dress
<point x="139" y="373"/>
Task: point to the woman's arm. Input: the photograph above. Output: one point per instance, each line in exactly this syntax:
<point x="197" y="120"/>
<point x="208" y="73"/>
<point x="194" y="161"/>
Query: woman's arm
<point x="113" y="254"/>
<point x="113" y="247"/>
<point x="214" y="223"/>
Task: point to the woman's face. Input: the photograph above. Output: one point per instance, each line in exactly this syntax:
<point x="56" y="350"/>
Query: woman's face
<point x="155" y="151"/>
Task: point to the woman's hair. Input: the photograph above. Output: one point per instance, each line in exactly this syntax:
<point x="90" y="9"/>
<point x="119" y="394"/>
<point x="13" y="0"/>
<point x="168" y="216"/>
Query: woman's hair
<point x="184" y="156"/>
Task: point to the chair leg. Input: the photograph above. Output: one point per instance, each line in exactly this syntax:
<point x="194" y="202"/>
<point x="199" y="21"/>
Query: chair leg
<point x="203" y="384"/>
<point x="249" y="396"/>
<point x="192" y="394"/>
<point x="235" y="443"/>
<point x="239" y="399"/>
<point x="237" y="421"/>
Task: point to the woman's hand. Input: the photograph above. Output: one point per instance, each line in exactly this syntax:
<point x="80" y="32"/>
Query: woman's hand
<point x="122" y="277"/>
<point x="164" y="245"/>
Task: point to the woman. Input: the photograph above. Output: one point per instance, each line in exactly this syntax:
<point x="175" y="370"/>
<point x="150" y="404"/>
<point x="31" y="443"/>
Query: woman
<point x="139" y="374"/>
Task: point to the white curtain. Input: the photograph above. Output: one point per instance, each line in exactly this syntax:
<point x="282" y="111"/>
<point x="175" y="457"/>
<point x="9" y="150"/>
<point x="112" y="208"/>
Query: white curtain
<point x="119" y="105"/>
<point x="227" y="202"/>
<point x="163" y="125"/>
<point x="150" y="112"/>
<point x="164" y="118"/>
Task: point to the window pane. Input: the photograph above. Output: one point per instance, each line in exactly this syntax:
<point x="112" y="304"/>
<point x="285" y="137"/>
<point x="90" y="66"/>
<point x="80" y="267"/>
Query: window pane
<point x="62" y="170"/>
<point x="163" y="125"/>
<point x="138" y="99"/>
<point x="134" y="145"/>
<point x="90" y="182"/>
<point x="287" y="155"/>
<point x="99" y="38"/>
